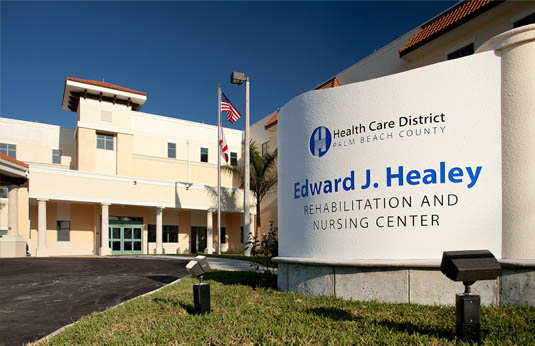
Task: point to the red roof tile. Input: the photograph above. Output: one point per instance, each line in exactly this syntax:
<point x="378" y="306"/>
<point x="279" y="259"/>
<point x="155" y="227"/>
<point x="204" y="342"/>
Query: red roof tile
<point x="455" y="16"/>
<point x="106" y="85"/>
<point x="273" y="121"/>
<point x="331" y="83"/>
<point x="12" y="160"/>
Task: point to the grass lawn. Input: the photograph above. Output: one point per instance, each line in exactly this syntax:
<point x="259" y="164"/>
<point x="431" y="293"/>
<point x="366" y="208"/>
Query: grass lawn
<point x="243" y="313"/>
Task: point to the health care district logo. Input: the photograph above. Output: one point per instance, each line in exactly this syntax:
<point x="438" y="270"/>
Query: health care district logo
<point x="320" y="141"/>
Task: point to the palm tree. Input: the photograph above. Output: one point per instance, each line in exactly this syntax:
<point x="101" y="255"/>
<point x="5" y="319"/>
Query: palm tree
<point x="263" y="175"/>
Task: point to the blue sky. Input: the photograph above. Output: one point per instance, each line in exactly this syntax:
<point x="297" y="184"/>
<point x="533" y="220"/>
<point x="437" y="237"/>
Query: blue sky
<point x="177" y="52"/>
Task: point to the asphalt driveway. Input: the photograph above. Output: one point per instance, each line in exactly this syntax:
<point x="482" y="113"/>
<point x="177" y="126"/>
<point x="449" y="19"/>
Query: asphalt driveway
<point x="40" y="295"/>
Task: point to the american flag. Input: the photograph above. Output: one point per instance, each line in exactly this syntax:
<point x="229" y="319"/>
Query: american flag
<point x="228" y="107"/>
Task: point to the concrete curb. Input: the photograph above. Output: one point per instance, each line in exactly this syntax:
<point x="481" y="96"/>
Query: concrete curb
<point x="43" y="339"/>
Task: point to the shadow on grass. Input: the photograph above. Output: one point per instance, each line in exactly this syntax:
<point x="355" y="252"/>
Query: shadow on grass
<point x="188" y="307"/>
<point x="411" y="328"/>
<point x="251" y="279"/>
<point x="334" y="314"/>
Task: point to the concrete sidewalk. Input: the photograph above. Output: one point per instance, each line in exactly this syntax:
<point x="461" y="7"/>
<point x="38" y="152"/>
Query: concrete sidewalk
<point x="217" y="262"/>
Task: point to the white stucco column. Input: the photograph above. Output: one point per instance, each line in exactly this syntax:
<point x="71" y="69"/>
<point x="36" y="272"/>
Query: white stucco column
<point x="209" y="232"/>
<point x="13" y="210"/>
<point x="104" y="231"/>
<point x="12" y="244"/>
<point x="517" y="50"/>
<point x="41" y="228"/>
<point x="159" y="226"/>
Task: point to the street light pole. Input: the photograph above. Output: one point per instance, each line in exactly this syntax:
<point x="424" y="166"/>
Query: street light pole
<point x="238" y="78"/>
<point x="246" y="187"/>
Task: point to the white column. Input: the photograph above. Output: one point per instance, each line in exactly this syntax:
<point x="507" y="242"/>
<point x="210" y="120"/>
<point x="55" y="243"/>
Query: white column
<point x="13" y="212"/>
<point x="104" y="231"/>
<point x="209" y="232"/>
<point x="517" y="50"/>
<point x="41" y="228"/>
<point x="159" y="218"/>
<point x="12" y="244"/>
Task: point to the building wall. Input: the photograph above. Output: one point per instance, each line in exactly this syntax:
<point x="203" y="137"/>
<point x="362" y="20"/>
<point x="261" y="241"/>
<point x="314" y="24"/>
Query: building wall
<point x="269" y="210"/>
<point x="260" y="135"/>
<point x="124" y="161"/>
<point x="35" y="141"/>
<point x="104" y="115"/>
<point x="83" y="228"/>
<point x="234" y="223"/>
<point x="86" y="147"/>
<point x="136" y="172"/>
<point x="477" y="31"/>
<point x="383" y="62"/>
<point x="386" y="60"/>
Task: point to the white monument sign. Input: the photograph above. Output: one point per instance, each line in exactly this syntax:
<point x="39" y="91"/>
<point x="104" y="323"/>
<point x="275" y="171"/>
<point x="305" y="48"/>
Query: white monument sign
<point x="400" y="167"/>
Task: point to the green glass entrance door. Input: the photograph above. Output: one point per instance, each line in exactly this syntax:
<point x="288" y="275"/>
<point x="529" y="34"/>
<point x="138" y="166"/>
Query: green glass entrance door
<point x="126" y="239"/>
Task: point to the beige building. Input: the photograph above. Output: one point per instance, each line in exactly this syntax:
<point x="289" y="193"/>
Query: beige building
<point x="121" y="182"/>
<point x="457" y="32"/>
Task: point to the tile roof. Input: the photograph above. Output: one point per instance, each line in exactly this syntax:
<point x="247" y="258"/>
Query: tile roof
<point x="331" y="83"/>
<point x="447" y="21"/>
<point x="12" y="160"/>
<point x="273" y="121"/>
<point x="106" y="85"/>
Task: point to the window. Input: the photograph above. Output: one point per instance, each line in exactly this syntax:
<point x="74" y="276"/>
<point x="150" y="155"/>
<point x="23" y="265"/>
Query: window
<point x="152" y="234"/>
<point x="265" y="148"/>
<point x="204" y="154"/>
<point x="64" y="230"/>
<point x="233" y="159"/>
<point x="3" y="191"/>
<point x="169" y="234"/>
<point x="171" y="150"/>
<point x="104" y="141"/>
<point x="464" y="51"/>
<point x="56" y="156"/>
<point x="9" y="149"/>
<point x="525" y="21"/>
<point x="223" y="235"/>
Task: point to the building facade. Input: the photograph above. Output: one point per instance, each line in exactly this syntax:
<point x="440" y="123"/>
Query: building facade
<point x="122" y="181"/>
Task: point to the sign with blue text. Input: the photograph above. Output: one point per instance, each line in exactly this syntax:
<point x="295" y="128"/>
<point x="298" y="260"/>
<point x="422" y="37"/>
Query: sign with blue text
<point x="400" y="167"/>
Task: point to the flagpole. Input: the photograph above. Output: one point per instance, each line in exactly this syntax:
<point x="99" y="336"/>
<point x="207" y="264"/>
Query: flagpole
<point x="219" y="169"/>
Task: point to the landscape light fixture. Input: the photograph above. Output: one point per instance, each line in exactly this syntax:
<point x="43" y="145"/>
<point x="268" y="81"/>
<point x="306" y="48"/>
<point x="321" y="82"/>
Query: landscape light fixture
<point x="201" y="291"/>
<point x="469" y="266"/>
<point x="238" y="78"/>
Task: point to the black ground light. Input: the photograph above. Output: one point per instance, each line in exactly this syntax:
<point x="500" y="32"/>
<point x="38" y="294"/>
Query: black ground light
<point x="469" y="267"/>
<point x="201" y="291"/>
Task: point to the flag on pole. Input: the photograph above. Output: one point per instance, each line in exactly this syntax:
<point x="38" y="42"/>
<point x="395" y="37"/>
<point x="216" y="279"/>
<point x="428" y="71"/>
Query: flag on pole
<point x="223" y="144"/>
<point x="228" y="107"/>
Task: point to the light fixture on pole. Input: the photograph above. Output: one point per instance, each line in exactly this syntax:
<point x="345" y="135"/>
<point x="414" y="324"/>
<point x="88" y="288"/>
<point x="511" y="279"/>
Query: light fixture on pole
<point x="238" y="78"/>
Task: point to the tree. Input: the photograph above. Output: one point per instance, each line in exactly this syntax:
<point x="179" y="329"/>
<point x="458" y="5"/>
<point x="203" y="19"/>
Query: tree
<point x="263" y="175"/>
